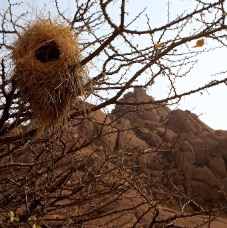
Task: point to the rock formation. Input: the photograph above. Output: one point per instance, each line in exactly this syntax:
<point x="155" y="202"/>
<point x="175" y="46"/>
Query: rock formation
<point x="128" y="161"/>
<point x="198" y="151"/>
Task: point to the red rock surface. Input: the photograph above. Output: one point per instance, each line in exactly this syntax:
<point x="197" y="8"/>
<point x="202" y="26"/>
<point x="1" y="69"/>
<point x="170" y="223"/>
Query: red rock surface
<point x="198" y="151"/>
<point x="160" y="145"/>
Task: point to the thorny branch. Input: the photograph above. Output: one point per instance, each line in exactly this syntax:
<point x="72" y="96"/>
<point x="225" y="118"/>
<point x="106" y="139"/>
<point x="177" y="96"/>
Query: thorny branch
<point x="72" y="177"/>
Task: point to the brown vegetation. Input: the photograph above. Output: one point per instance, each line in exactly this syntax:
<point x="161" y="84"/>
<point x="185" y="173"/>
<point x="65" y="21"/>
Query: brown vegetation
<point x="143" y="164"/>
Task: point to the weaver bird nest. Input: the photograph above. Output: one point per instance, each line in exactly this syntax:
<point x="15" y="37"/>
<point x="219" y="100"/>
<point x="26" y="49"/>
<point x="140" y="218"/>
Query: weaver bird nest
<point x="48" y="72"/>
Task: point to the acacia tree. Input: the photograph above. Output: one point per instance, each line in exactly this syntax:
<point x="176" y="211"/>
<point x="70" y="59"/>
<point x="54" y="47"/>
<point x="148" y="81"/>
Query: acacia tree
<point x="57" y="180"/>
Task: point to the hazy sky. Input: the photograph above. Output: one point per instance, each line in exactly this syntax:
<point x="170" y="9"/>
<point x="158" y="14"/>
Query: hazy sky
<point x="211" y="105"/>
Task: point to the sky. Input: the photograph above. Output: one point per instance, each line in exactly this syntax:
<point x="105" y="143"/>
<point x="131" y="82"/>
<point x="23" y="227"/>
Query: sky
<point x="210" y="106"/>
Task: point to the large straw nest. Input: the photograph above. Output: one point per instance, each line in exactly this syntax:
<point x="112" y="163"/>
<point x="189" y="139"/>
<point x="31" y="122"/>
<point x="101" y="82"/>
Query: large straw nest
<point x="47" y="71"/>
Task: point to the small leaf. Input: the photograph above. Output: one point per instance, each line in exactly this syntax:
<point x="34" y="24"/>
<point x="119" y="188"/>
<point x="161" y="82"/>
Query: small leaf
<point x="68" y="183"/>
<point x="199" y="43"/>
<point x="11" y="214"/>
<point x="159" y="45"/>
<point x="17" y="219"/>
<point x="32" y="218"/>
<point x="11" y="219"/>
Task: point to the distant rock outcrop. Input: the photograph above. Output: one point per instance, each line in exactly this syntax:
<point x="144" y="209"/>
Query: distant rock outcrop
<point x="127" y="159"/>
<point x="198" y="151"/>
<point x="175" y="143"/>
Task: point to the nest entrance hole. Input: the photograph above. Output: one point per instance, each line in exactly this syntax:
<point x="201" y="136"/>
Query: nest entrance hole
<point x="48" y="52"/>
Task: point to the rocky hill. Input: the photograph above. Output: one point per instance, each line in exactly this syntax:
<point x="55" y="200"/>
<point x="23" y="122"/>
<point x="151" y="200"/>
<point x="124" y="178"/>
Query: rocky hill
<point x="198" y="151"/>
<point x="140" y="166"/>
